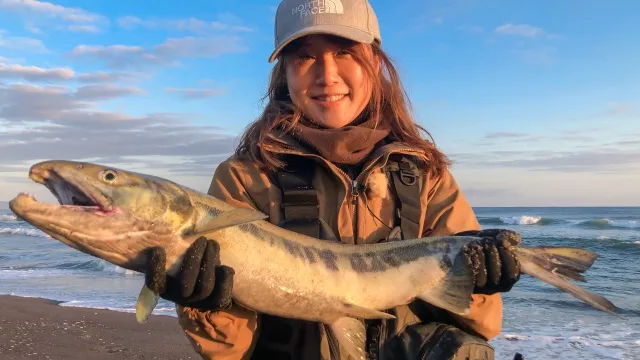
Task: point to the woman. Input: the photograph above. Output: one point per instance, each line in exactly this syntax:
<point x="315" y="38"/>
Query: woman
<point x="336" y="154"/>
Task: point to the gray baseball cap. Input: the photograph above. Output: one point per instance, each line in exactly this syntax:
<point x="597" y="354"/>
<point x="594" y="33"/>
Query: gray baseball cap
<point x="351" y="19"/>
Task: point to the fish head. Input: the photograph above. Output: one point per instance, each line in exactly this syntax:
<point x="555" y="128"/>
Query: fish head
<point x="109" y="213"/>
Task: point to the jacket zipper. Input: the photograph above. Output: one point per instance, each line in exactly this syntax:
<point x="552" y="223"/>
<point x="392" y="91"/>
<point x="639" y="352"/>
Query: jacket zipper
<point x="354" y="208"/>
<point x="334" y="348"/>
<point x="365" y="172"/>
<point x="353" y="183"/>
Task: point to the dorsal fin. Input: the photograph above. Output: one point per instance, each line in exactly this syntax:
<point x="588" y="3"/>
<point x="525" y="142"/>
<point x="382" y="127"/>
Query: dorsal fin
<point x="215" y="220"/>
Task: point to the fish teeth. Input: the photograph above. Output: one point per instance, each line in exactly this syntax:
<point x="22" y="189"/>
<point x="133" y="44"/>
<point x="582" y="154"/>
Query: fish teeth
<point x="26" y="195"/>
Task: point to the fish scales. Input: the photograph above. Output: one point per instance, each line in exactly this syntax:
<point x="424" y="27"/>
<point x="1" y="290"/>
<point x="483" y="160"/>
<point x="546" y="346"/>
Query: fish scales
<point x="323" y="277"/>
<point x="120" y="216"/>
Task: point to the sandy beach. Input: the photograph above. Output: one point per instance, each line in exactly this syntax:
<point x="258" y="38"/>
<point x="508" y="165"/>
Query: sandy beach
<point x="33" y="328"/>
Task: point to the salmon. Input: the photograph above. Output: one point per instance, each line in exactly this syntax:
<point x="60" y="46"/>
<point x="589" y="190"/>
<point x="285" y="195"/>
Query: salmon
<point x="117" y="215"/>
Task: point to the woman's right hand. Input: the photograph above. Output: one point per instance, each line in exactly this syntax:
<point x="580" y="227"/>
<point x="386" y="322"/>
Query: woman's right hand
<point x="201" y="283"/>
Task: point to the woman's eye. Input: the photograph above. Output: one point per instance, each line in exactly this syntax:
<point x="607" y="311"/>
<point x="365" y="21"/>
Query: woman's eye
<point x="303" y="59"/>
<point x="303" y="56"/>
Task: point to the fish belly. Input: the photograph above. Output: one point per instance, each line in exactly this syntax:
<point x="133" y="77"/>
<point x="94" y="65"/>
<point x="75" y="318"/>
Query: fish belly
<point x="270" y="280"/>
<point x="273" y="279"/>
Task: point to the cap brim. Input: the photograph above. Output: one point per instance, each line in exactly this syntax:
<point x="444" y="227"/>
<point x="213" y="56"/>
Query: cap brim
<point x="337" y="30"/>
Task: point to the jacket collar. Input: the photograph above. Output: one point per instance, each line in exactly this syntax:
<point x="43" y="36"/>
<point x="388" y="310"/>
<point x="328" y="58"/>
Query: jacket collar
<point x="286" y="144"/>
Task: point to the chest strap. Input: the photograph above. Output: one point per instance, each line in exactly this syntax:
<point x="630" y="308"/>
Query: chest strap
<point x="300" y="205"/>
<point x="301" y="208"/>
<point x="301" y="213"/>
<point x="407" y="181"/>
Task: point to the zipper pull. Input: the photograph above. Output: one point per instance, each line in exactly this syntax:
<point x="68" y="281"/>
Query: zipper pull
<point x="354" y="191"/>
<point x="354" y="188"/>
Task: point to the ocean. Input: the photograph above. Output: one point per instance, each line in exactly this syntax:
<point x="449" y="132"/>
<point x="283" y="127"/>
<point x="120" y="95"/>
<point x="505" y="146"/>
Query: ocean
<point x="540" y="321"/>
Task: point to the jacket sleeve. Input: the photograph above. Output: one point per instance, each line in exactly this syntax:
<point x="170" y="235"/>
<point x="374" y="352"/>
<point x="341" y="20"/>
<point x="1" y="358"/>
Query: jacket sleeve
<point x="448" y="212"/>
<point x="227" y="334"/>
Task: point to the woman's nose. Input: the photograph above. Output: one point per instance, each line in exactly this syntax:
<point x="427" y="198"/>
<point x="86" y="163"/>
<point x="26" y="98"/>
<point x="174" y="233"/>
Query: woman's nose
<point x="327" y="70"/>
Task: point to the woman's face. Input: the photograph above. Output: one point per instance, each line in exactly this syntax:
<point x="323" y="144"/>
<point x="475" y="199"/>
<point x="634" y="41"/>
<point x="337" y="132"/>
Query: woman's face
<point x="326" y="82"/>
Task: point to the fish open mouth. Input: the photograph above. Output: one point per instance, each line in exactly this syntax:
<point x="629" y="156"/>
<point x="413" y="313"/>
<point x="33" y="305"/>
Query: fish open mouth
<point x="70" y="194"/>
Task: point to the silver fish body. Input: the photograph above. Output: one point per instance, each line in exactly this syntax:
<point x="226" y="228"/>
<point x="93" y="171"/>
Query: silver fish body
<point x="301" y="277"/>
<point x="117" y="215"/>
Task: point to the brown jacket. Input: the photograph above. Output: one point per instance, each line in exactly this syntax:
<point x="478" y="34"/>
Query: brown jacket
<point x="232" y="334"/>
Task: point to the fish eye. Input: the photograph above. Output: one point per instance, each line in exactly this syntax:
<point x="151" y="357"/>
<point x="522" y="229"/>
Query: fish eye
<point x="109" y="176"/>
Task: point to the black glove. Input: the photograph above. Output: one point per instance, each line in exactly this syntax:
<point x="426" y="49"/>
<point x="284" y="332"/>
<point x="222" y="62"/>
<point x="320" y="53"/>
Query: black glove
<point x="201" y="283"/>
<point x="495" y="263"/>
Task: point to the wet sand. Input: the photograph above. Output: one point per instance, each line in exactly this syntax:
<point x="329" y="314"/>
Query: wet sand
<point x="32" y="328"/>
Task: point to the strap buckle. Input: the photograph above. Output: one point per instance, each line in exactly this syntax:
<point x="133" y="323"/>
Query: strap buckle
<point x="408" y="173"/>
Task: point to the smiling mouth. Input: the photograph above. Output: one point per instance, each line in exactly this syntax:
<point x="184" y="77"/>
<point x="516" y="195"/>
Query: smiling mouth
<point x="329" y="98"/>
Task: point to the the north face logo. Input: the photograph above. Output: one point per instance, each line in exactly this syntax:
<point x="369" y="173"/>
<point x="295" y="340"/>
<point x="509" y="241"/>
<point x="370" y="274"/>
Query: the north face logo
<point x="314" y="7"/>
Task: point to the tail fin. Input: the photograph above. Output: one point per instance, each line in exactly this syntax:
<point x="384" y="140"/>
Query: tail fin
<point x="572" y="261"/>
<point x="556" y="265"/>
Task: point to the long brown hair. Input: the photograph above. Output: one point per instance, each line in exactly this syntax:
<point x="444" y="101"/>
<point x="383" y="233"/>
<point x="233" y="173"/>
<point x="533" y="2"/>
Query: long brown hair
<point x="389" y="105"/>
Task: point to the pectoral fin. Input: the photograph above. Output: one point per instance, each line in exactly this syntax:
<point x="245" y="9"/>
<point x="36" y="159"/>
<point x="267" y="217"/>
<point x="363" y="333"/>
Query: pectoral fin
<point x="227" y="219"/>
<point x="147" y="301"/>
<point x="351" y="336"/>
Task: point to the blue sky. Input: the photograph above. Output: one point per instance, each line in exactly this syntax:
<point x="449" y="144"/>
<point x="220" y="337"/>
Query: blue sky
<point x="537" y="103"/>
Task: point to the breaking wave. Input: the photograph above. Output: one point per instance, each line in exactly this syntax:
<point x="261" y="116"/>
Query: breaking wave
<point x="593" y="224"/>
<point x="548" y="346"/>
<point x="8" y="218"/>
<point x="168" y="311"/>
<point x="23" y="231"/>
<point x="91" y="265"/>
<point x="602" y="224"/>
<point x="519" y="220"/>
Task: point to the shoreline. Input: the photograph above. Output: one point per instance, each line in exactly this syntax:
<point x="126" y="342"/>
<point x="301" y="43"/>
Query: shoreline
<point x="63" y="304"/>
<point x="38" y="328"/>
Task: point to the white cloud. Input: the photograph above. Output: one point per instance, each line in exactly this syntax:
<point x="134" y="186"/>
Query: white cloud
<point x="105" y="91"/>
<point x="167" y="53"/>
<point x="194" y="93"/>
<point x="519" y="30"/>
<point x="51" y="15"/>
<point x="536" y="49"/>
<point x="49" y="9"/>
<point x="21" y="43"/>
<point x="128" y="22"/>
<point x="80" y="130"/>
<point x="190" y="24"/>
<point x="601" y="160"/>
<point x="61" y="105"/>
<point x="62" y="74"/>
<point x="523" y="187"/>
<point x="91" y="29"/>
<point x="6" y="60"/>
<point x="506" y="134"/>
<point x="106" y="77"/>
<point x="615" y="110"/>
<point x="618" y="108"/>
<point x="34" y="73"/>
<point x="33" y="29"/>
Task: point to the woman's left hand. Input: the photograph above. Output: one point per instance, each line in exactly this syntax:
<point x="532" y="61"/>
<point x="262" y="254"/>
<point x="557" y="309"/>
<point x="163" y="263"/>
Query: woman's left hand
<point x="495" y="263"/>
